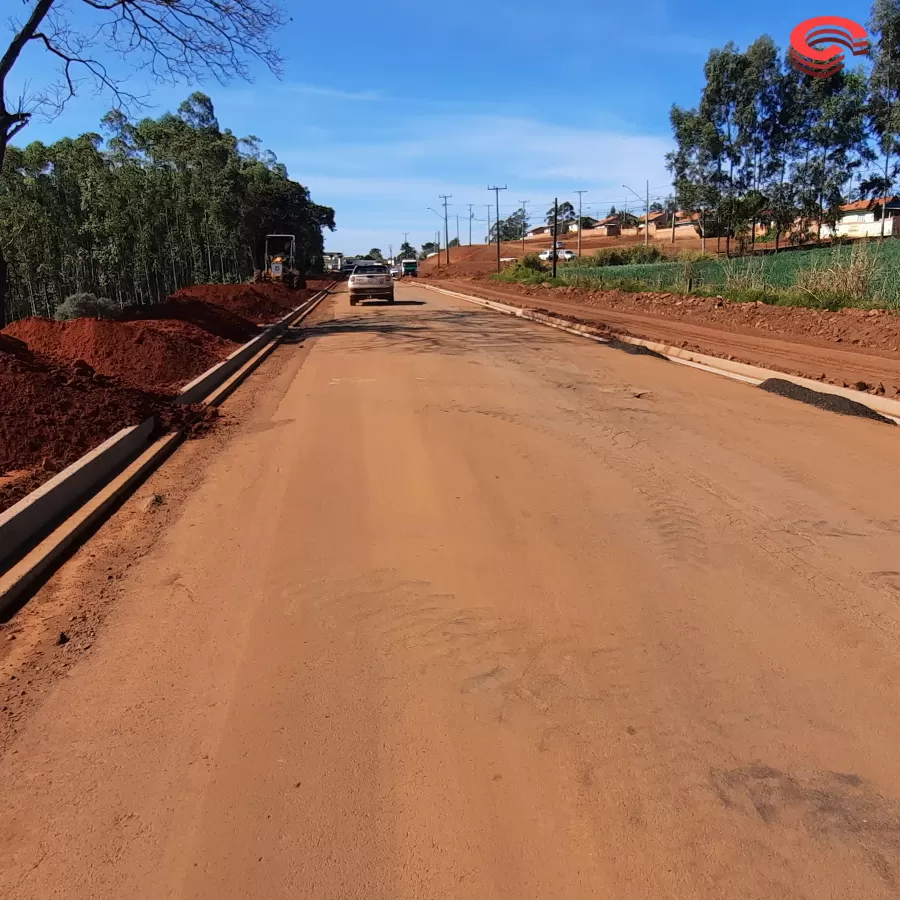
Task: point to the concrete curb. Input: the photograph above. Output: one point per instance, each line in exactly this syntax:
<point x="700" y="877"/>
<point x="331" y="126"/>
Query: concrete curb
<point x="20" y="580"/>
<point x="221" y="393"/>
<point x="718" y="366"/>
<point x="22" y="523"/>
<point x="196" y="390"/>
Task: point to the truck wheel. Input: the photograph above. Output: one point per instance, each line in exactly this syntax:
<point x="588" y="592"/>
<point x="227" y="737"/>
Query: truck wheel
<point x="391" y="299"/>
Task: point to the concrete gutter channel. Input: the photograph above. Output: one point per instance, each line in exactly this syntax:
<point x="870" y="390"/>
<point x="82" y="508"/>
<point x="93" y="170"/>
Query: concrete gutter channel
<point x="38" y="532"/>
<point x="754" y="375"/>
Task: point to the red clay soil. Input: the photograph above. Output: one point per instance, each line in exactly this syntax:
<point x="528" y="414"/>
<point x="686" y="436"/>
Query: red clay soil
<point x="210" y="317"/>
<point x="51" y="415"/>
<point x="851" y="347"/>
<point x="256" y="302"/>
<point x="159" y="355"/>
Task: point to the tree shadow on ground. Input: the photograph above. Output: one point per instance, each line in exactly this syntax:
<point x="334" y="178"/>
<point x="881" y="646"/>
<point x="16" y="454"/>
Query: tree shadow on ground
<point x="450" y="332"/>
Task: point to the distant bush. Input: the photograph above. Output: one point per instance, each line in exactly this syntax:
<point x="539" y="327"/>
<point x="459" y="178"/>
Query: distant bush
<point x="83" y="306"/>
<point x="622" y="256"/>
<point x="532" y="262"/>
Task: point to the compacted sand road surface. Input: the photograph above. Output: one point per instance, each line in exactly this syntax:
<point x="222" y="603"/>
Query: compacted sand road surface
<point x="476" y="609"/>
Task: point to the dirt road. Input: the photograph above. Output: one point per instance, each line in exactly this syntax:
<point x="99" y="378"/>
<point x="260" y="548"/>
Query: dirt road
<point x="795" y="354"/>
<point x="468" y="608"/>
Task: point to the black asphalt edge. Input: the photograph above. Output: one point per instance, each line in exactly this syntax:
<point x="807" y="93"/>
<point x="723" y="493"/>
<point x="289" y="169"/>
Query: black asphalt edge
<point x="843" y="406"/>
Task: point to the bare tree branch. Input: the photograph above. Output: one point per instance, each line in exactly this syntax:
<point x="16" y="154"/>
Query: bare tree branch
<point x="171" y="39"/>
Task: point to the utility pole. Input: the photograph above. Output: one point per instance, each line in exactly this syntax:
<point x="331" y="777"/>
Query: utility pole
<point x="579" y="219"/>
<point x="437" y="244"/>
<point x="553" y="248"/>
<point x="445" y="198"/>
<point x="487" y="240"/>
<point x="647" y="219"/>
<point x="470" y="223"/>
<point x="524" y="224"/>
<point x="391" y="253"/>
<point x="457" y="229"/>
<point x="496" y="191"/>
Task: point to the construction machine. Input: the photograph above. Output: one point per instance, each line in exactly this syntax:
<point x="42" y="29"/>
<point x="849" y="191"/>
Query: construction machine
<point x="281" y="262"/>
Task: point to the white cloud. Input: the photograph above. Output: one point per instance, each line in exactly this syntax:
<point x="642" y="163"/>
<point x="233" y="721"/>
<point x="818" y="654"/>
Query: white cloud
<point x="383" y="186"/>
<point x="320" y="90"/>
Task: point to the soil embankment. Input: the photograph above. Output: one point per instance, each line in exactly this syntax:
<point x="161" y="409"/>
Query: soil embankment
<point x="50" y="415"/>
<point x="65" y="387"/>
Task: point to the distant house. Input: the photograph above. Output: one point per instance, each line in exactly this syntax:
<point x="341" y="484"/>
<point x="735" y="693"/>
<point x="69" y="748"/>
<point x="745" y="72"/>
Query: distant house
<point x="538" y="231"/>
<point x="588" y="221"/>
<point x="656" y="217"/>
<point x="862" y="218"/>
<point x="685" y="222"/>
<point x="608" y="226"/>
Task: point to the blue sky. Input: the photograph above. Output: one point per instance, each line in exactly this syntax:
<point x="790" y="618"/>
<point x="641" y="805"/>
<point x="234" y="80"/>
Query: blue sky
<point x="382" y="109"/>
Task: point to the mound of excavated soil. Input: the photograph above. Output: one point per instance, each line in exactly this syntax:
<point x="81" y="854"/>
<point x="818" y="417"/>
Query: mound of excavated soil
<point x="51" y="415"/>
<point x="158" y="355"/>
<point x="256" y="302"/>
<point x="210" y="317"/>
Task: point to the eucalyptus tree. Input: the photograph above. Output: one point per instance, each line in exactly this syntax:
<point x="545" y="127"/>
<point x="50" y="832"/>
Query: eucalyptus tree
<point x="170" y="39"/>
<point x="160" y="204"/>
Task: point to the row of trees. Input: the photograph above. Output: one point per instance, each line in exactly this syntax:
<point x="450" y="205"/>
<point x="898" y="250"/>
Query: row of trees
<point x="158" y="204"/>
<point x="766" y="141"/>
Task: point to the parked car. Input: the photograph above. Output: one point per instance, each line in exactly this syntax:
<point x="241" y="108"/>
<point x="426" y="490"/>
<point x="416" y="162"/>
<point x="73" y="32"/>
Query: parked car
<point x="563" y="255"/>
<point x="370" y="280"/>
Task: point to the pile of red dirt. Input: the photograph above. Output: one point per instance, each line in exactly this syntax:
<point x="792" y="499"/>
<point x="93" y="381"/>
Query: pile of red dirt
<point x="158" y="355"/>
<point x="210" y="317"/>
<point x="50" y="415"/>
<point x="255" y="302"/>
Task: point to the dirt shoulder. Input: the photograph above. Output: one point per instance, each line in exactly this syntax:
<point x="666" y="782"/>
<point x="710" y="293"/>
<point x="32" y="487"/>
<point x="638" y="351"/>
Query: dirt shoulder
<point x="851" y="347"/>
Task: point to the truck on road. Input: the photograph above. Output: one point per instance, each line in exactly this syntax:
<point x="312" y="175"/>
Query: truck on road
<point x="409" y="268"/>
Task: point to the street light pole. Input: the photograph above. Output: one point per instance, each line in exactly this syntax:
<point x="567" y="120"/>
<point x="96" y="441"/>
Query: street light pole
<point x="470" y="223"/>
<point x="445" y="198"/>
<point x="646" y="211"/>
<point x="496" y="191"/>
<point x="553" y="250"/>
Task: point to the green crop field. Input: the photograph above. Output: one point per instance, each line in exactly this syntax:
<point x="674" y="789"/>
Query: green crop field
<point x="863" y="274"/>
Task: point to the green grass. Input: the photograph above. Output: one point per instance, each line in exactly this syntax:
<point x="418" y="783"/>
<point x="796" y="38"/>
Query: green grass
<point x="859" y="275"/>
